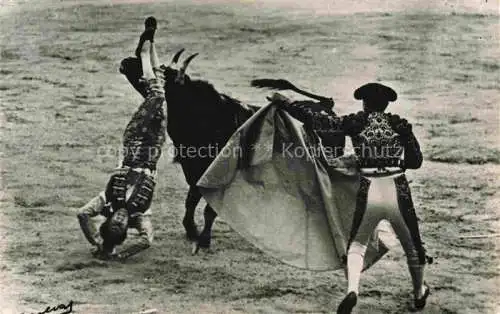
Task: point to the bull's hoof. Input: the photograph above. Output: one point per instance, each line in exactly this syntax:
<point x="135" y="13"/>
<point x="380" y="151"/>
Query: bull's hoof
<point x="191" y="230"/>
<point x="204" y="241"/>
<point x="199" y="245"/>
<point x="195" y="248"/>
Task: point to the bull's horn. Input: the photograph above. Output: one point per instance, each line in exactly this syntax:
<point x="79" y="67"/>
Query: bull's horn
<point x="182" y="70"/>
<point x="176" y="57"/>
<point x="187" y="61"/>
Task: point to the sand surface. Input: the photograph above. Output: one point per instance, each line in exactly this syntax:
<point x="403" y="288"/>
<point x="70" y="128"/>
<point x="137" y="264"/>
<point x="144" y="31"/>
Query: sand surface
<point x="64" y="107"/>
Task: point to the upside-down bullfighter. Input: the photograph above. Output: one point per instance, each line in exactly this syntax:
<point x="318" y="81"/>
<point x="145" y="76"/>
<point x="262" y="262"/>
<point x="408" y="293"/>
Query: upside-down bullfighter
<point x="127" y="198"/>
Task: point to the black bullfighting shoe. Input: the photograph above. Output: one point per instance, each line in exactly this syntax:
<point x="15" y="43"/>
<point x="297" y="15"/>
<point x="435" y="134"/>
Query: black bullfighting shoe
<point x="150" y="26"/>
<point x="420" y="302"/>
<point x="346" y="306"/>
<point x="150" y="23"/>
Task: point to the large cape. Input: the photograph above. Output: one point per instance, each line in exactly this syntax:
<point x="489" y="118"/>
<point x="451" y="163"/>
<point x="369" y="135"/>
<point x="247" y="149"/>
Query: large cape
<point x="274" y="192"/>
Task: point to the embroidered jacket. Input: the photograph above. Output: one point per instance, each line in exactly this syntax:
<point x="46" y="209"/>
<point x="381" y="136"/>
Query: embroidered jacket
<point x="380" y="139"/>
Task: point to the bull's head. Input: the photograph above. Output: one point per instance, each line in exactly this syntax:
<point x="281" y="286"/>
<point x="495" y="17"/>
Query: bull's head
<point x="175" y="75"/>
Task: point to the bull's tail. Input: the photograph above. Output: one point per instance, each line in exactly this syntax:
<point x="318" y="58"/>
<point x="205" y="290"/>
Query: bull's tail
<point x="281" y="84"/>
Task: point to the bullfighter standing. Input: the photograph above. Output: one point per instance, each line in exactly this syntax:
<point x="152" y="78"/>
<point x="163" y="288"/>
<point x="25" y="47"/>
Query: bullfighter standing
<point x="126" y="200"/>
<point x="379" y="140"/>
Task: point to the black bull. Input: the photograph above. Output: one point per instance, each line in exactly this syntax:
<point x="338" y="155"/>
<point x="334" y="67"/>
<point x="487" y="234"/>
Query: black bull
<point x="200" y="121"/>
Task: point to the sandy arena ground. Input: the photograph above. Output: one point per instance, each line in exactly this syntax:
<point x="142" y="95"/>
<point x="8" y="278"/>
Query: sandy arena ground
<point x="64" y="107"/>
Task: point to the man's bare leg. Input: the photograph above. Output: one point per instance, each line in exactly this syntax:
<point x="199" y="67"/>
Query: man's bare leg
<point x="155" y="61"/>
<point x="147" y="68"/>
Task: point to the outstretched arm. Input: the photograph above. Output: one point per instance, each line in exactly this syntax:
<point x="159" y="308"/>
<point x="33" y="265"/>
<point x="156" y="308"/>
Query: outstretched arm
<point x="354" y="123"/>
<point x="134" y="249"/>
<point x="316" y="119"/>
<point x="89" y="229"/>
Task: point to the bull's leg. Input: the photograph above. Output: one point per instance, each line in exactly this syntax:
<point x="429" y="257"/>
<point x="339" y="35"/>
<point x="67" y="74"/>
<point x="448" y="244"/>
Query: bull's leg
<point x="192" y="199"/>
<point x="206" y="234"/>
